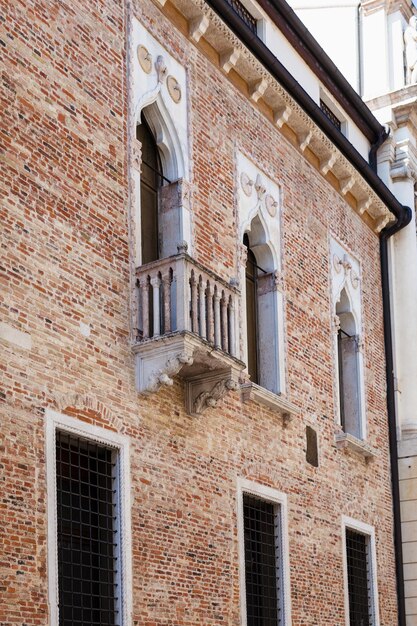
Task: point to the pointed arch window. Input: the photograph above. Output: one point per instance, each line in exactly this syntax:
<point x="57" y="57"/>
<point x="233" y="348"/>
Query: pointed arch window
<point x="151" y="180"/>
<point x="350" y="410"/>
<point x="262" y="307"/>
<point x="251" y="312"/>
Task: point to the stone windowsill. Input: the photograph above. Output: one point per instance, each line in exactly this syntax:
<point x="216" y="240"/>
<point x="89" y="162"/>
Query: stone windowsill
<point x="346" y="440"/>
<point x="275" y="402"/>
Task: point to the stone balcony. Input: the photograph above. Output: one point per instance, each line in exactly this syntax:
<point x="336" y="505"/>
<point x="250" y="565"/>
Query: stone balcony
<point x="187" y="326"/>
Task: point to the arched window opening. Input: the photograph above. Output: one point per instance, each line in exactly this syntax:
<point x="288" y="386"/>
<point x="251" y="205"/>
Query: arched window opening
<point x="151" y="181"/>
<point x="251" y="312"/>
<point x="255" y="314"/>
<point x="348" y="365"/>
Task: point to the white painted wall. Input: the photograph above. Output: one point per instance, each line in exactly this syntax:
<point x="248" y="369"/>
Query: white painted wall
<point x="335" y="26"/>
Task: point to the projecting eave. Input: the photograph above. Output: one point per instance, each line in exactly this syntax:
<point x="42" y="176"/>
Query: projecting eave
<point x="260" y="76"/>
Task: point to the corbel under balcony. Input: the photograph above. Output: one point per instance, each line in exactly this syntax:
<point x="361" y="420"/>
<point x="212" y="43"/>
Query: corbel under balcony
<point x="187" y="323"/>
<point x="350" y="442"/>
<point x="275" y="402"/>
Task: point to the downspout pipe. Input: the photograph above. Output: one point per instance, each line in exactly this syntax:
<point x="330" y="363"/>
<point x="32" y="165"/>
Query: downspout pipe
<point x="402" y="221"/>
<point x="382" y="136"/>
<point x="402" y="214"/>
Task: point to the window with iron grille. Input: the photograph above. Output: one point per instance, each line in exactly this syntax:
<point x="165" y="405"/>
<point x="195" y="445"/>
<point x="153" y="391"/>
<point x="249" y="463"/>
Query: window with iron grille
<point x="359" y="578"/>
<point x="329" y="113"/>
<point x="244" y="14"/>
<point x="87" y="532"/>
<point x="263" y="562"/>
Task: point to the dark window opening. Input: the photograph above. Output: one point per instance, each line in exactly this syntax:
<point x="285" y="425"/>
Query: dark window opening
<point x="312" y="453"/>
<point x="252" y="313"/>
<point x="262" y="562"/>
<point x="151" y="180"/>
<point x="359" y="582"/>
<point x="349" y="400"/>
<point x="88" y="540"/>
<point x="329" y="113"/>
<point x="244" y="14"/>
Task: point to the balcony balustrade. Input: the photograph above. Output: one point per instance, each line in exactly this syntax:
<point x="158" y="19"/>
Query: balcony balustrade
<point x="187" y="325"/>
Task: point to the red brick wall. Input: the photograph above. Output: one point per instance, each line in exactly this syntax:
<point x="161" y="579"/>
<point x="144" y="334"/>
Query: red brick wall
<point x="65" y="260"/>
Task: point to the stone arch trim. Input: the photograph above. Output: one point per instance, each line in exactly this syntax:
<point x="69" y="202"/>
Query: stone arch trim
<point x="88" y="408"/>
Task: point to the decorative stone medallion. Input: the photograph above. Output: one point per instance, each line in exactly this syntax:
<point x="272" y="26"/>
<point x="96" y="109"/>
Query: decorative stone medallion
<point x="246" y="184"/>
<point x="271" y="205"/>
<point x="174" y="89"/>
<point x="145" y="59"/>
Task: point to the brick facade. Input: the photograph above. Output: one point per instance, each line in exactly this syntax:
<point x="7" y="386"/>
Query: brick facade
<point x="67" y="287"/>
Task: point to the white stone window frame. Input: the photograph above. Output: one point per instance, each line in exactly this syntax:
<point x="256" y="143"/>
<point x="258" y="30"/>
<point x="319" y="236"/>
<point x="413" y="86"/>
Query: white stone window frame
<point x="59" y="422"/>
<point x="245" y="486"/>
<point x="259" y="203"/>
<point x="369" y="531"/>
<point x="345" y="273"/>
<point x="152" y="84"/>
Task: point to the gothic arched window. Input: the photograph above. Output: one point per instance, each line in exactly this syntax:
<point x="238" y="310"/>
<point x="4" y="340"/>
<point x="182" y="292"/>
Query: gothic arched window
<point x="150" y="183"/>
<point x="251" y="312"/>
<point x="348" y="366"/>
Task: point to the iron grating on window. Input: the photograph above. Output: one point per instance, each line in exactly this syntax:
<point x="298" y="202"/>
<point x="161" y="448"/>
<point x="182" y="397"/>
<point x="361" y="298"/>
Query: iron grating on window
<point x="262" y="562"/>
<point x="244" y="14"/>
<point x="359" y="580"/>
<point x="87" y="534"/>
<point x="329" y="113"/>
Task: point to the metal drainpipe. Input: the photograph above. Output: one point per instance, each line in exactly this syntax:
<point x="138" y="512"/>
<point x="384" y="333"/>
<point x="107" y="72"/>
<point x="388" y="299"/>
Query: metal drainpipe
<point x="383" y="135"/>
<point x="392" y="418"/>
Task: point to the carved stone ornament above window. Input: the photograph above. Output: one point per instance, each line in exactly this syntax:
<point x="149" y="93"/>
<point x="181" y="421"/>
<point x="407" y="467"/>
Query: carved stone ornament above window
<point x="345" y="265"/>
<point x="258" y="185"/>
<point x="145" y="59"/>
<point x="174" y="89"/>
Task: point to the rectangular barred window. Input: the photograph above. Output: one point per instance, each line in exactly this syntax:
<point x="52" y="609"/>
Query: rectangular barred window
<point x="88" y="535"/>
<point x="263" y="562"/>
<point x="359" y="578"/>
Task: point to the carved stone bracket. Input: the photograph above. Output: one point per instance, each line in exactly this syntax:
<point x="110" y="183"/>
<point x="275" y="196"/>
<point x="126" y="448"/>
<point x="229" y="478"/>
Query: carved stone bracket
<point x="204" y="391"/>
<point x="257" y="89"/>
<point x="282" y="115"/>
<point x="274" y="402"/>
<point x="304" y="140"/>
<point x="327" y="163"/>
<point x="349" y="442"/>
<point x="346" y="184"/>
<point x="228" y="59"/>
<point x="164" y="376"/>
<point x="208" y="373"/>
<point x="198" y="27"/>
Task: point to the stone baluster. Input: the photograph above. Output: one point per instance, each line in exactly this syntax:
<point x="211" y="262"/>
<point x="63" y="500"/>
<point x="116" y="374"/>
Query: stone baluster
<point x="210" y="320"/>
<point x="144" y="283"/>
<point x="156" y="285"/>
<point x="232" y="334"/>
<point x="217" y="332"/>
<point x="202" y="308"/>
<point x="223" y="317"/>
<point x="182" y="291"/>
<point x="194" y="301"/>
<point x="166" y="286"/>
